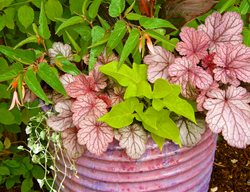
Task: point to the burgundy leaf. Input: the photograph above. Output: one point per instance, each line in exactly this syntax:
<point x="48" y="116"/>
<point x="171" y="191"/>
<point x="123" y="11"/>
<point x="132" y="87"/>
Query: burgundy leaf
<point x="208" y="63"/>
<point x="63" y="119"/>
<point x="66" y="79"/>
<point x="190" y="132"/>
<point x="232" y="64"/>
<point x="203" y="95"/>
<point x="189" y="75"/>
<point x="106" y="99"/>
<point x="82" y="85"/>
<point x="99" y="78"/>
<point x="88" y="105"/>
<point x="70" y="143"/>
<point x="95" y="135"/>
<point x="223" y="29"/>
<point x="194" y="44"/>
<point x="229" y="112"/>
<point x="158" y="63"/>
<point x="133" y="138"/>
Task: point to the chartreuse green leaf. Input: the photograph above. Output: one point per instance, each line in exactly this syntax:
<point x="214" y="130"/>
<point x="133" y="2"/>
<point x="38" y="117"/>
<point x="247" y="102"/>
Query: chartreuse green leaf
<point x="43" y="23"/>
<point x="93" y="8"/>
<point x="69" y="22"/>
<point x="161" y="38"/>
<point x="178" y="105"/>
<point x="25" y="15"/>
<point x="22" y="56"/>
<point x="157" y="104"/>
<point x="163" y="125"/>
<point x="53" y="9"/>
<point x="134" y="78"/>
<point x="116" y="7"/>
<point x="131" y="43"/>
<point x="34" y="85"/>
<point x="244" y="7"/>
<point x="158" y="140"/>
<point x="153" y="23"/>
<point x="47" y="74"/>
<point x="5" y="3"/>
<point x="133" y="16"/>
<point x="11" y="73"/>
<point x="161" y="88"/>
<point x="117" y="34"/>
<point x="122" y="114"/>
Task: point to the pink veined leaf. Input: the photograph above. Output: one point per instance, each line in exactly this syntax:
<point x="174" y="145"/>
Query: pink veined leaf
<point x="229" y="112"/>
<point x="208" y="63"/>
<point x="70" y="143"/>
<point x="116" y="95"/>
<point x="223" y="29"/>
<point x="106" y="99"/>
<point x="88" y="106"/>
<point x="105" y="58"/>
<point x="82" y="85"/>
<point x="203" y="95"/>
<point x="99" y="78"/>
<point x="232" y="64"/>
<point x="194" y="44"/>
<point x="190" y="133"/>
<point x="189" y="76"/>
<point x="158" y="63"/>
<point x="63" y="119"/>
<point x="133" y="138"/>
<point x="66" y="79"/>
<point x="95" y="135"/>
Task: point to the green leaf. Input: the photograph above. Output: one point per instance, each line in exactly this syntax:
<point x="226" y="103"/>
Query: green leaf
<point x="69" y="22"/>
<point x="38" y="172"/>
<point x="130" y="8"/>
<point x="131" y="43"/>
<point x="33" y="84"/>
<point x="227" y="4"/>
<point x="246" y="36"/>
<point x="2" y="22"/>
<point x="93" y="8"/>
<point x="67" y="67"/>
<point x="158" y="140"/>
<point x="4" y="170"/>
<point x="116" y="7"/>
<point x="121" y="115"/>
<point x="1" y="146"/>
<point x="158" y="104"/>
<point x="161" y="38"/>
<point x="23" y="56"/>
<point x="140" y="89"/>
<point x="6" y="117"/>
<point x="161" y="88"/>
<point x="178" y="105"/>
<point x="11" y="181"/>
<point x="244" y="7"/>
<point x="43" y="24"/>
<point x="104" y="23"/>
<point x="4" y="65"/>
<point x="27" y="184"/>
<point x="9" y="17"/>
<point x="133" y="16"/>
<point x="5" y="3"/>
<point x="152" y="23"/>
<point x="117" y="34"/>
<point x="5" y="94"/>
<point x="76" y="6"/>
<point x="31" y="39"/>
<point x="53" y="9"/>
<point x="12" y="163"/>
<point x="164" y="126"/>
<point x="73" y="42"/>
<point x="10" y="74"/>
<point x="25" y="15"/>
<point x="47" y="74"/>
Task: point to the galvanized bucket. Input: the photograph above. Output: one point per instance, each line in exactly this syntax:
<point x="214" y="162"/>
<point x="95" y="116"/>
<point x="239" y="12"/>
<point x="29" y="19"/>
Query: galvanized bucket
<point x="172" y="170"/>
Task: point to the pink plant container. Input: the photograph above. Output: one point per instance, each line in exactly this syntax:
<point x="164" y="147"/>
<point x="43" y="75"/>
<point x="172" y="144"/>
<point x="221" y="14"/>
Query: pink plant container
<point x="172" y="170"/>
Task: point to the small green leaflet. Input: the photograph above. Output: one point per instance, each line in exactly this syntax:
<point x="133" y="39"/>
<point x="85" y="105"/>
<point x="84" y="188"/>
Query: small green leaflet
<point x="133" y="16"/>
<point x="93" y="8"/>
<point x="66" y="66"/>
<point x="11" y="72"/>
<point x="34" y="85"/>
<point x="23" y="56"/>
<point x="46" y="73"/>
<point x="117" y="34"/>
<point x="69" y="22"/>
<point x="153" y="23"/>
<point x="53" y="9"/>
<point x="43" y="24"/>
<point x="73" y="42"/>
<point x="31" y="39"/>
<point x="161" y="88"/>
<point x="25" y="15"/>
<point x="116" y="7"/>
<point x="121" y="115"/>
<point x="27" y="185"/>
<point x="178" y="105"/>
<point x="130" y="45"/>
<point x="4" y="170"/>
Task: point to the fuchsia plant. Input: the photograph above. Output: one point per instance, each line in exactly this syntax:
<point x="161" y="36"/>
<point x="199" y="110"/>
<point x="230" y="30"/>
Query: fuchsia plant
<point x="212" y="66"/>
